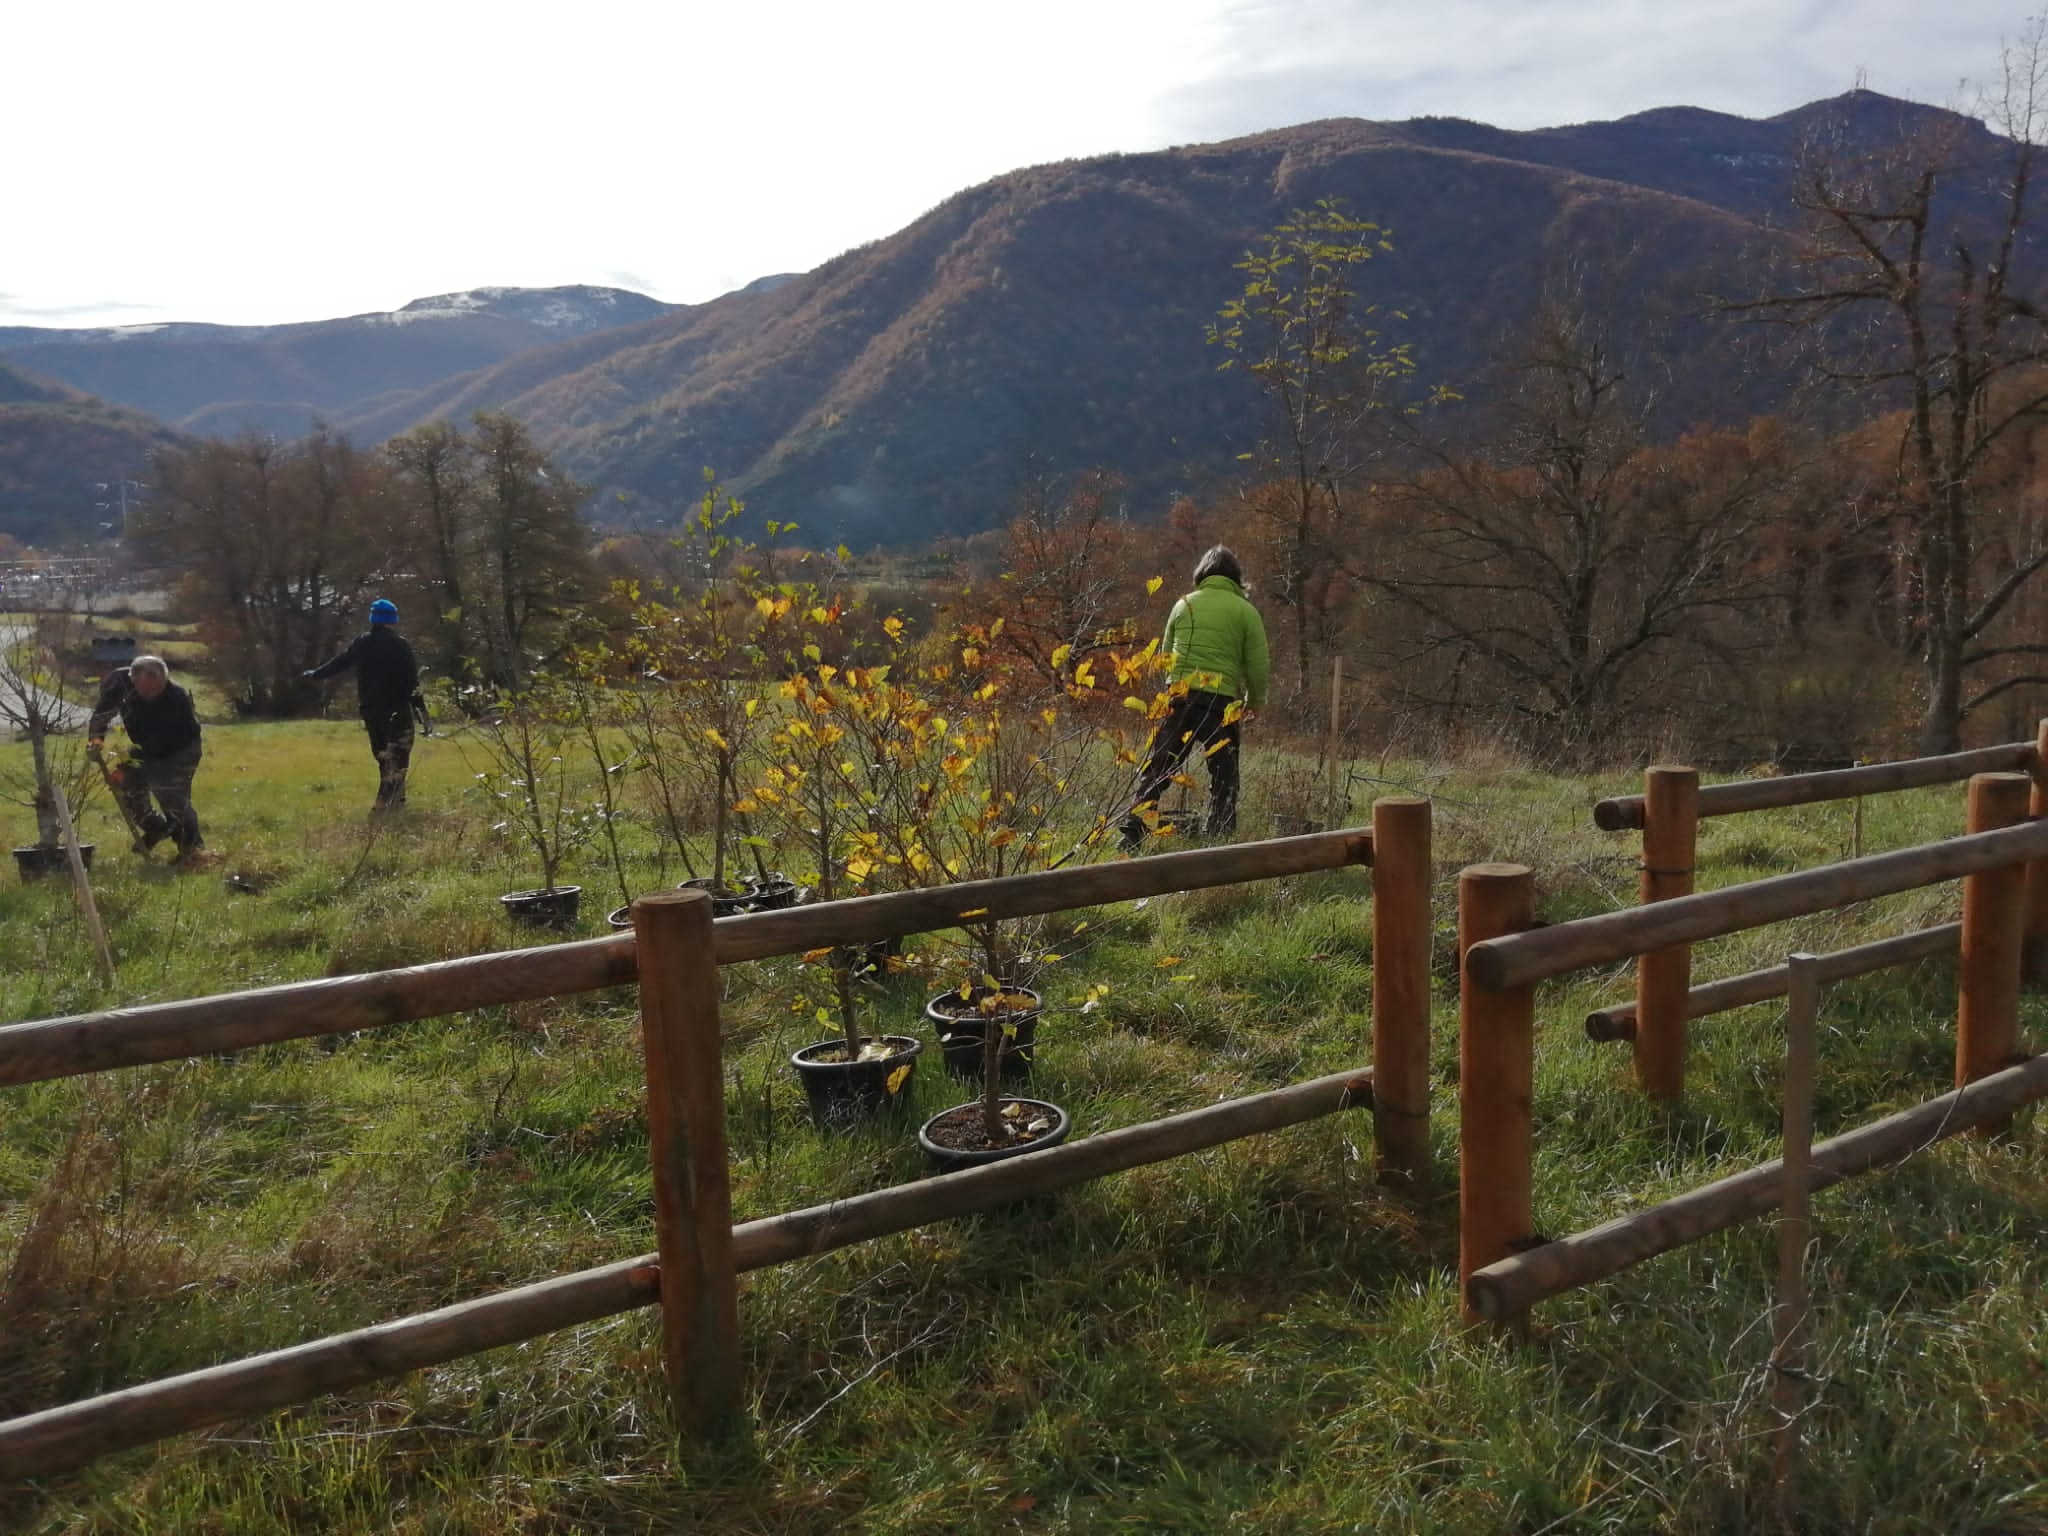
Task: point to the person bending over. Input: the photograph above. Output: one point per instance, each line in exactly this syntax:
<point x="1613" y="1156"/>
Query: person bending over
<point x="163" y="736"/>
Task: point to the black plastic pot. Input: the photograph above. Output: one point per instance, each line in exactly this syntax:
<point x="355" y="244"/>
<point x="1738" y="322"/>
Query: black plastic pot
<point x="41" y="859"/>
<point x="771" y="892"/>
<point x="962" y="1035"/>
<point x="949" y="1159"/>
<point x="844" y="1093"/>
<point x="555" y="908"/>
<point x="725" y="901"/>
<point x="619" y="917"/>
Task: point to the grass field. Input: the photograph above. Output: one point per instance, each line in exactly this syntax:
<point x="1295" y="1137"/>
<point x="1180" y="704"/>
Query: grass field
<point x="1255" y="1339"/>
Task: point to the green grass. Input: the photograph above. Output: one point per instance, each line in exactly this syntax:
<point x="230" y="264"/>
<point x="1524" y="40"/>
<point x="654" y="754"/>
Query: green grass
<point x="1254" y="1339"/>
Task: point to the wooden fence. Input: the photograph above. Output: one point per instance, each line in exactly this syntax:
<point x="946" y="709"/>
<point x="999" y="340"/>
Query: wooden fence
<point x="1504" y="1268"/>
<point x="1668" y="814"/>
<point x="674" y="953"/>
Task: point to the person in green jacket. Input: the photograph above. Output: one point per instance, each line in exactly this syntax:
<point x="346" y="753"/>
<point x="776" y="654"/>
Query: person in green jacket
<point x="1216" y="655"/>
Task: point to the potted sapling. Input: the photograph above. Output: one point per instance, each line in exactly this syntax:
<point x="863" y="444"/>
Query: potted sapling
<point x="609" y="752"/>
<point x="825" y="791"/>
<point x="1015" y="757"/>
<point x="33" y="707"/>
<point x="697" y="648"/>
<point x="518" y="751"/>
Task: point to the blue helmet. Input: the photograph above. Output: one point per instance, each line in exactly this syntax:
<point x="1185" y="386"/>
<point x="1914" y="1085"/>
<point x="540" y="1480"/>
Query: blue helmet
<point x="383" y="611"/>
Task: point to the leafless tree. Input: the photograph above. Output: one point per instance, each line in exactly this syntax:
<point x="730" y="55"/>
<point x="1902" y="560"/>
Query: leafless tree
<point x="1559" y="578"/>
<point x="1918" y="275"/>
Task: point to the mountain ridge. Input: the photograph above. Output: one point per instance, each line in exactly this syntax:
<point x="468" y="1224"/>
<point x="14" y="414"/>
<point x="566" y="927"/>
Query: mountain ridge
<point x="1057" y="313"/>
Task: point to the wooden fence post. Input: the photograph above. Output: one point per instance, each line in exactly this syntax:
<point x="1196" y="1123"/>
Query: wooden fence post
<point x="1671" y="820"/>
<point x="700" y="1344"/>
<point x="81" y="886"/>
<point x="1496" y="1079"/>
<point x="1401" y="923"/>
<point x="2034" y="948"/>
<point x="1988" y="990"/>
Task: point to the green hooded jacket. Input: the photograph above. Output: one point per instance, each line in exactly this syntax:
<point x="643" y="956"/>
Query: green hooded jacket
<point x="1216" y="642"/>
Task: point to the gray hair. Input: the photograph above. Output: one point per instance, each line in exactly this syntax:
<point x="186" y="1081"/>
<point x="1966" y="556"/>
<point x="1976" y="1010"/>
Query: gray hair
<point x="154" y="664"/>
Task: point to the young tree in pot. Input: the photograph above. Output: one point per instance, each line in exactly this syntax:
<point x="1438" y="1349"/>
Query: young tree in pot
<point x="611" y="757"/>
<point x="1002" y="785"/>
<point x="518" y="750"/>
<point x="836" y="770"/>
<point x="698" y="718"/>
<point x="33" y="706"/>
<point x="1018" y="752"/>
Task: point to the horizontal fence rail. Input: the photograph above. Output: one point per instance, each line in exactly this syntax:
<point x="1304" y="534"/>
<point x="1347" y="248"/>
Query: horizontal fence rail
<point x="1511" y="1286"/>
<point x="1619" y="1021"/>
<point x="156" y="1032"/>
<point x="61" y="1438"/>
<point x="1623" y="812"/>
<point x="1521" y="959"/>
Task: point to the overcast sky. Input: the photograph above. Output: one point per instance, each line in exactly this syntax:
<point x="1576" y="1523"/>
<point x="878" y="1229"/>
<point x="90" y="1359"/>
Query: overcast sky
<point x="253" y="162"/>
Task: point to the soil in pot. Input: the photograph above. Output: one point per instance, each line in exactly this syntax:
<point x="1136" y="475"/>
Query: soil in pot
<point x="962" y="1025"/>
<point x="771" y="892"/>
<point x="48" y="859"/>
<point x="843" y="1093"/>
<point x="725" y="901"/>
<point x="959" y="1138"/>
<point x="544" y="909"/>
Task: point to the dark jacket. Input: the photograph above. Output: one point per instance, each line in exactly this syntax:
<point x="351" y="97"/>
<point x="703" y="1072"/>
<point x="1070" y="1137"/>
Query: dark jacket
<point x="387" y="677"/>
<point x="160" y="727"/>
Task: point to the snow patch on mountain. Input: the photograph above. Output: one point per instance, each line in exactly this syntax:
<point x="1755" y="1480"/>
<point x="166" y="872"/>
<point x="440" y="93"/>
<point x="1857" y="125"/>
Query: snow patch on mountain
<point x="566" y="310"/>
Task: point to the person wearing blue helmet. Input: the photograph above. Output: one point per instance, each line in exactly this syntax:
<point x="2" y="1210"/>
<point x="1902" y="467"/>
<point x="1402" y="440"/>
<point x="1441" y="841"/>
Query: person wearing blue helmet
<point x="387" y="688"/>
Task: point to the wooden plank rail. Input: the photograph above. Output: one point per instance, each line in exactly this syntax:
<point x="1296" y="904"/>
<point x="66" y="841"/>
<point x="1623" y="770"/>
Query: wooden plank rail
<point x="865" y="919"/>
<point x="57" y="1439"/>
<point x="1519" y="959"/>
<point x="129" y="1037"/>
<point x="1710" y="997"/>
<point x="1506" y="1289"/>
<point x="1623" y="812"/>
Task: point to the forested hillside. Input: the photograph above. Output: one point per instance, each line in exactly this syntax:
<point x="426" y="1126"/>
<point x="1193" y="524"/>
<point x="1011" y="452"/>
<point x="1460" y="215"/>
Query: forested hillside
<point x="59" y="451"/>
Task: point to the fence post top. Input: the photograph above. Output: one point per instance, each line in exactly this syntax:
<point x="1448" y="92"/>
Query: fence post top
<point x="1670" y="770"/>
<point x="1399" y="800"/>
<point x="1493" y="872"/>
<point x="676" y="898"/>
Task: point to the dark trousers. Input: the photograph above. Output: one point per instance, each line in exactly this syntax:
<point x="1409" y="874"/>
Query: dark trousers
<point x="391" y="745"/>
<point x="1195" y="721"/>
<point x="169" y="781"/>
